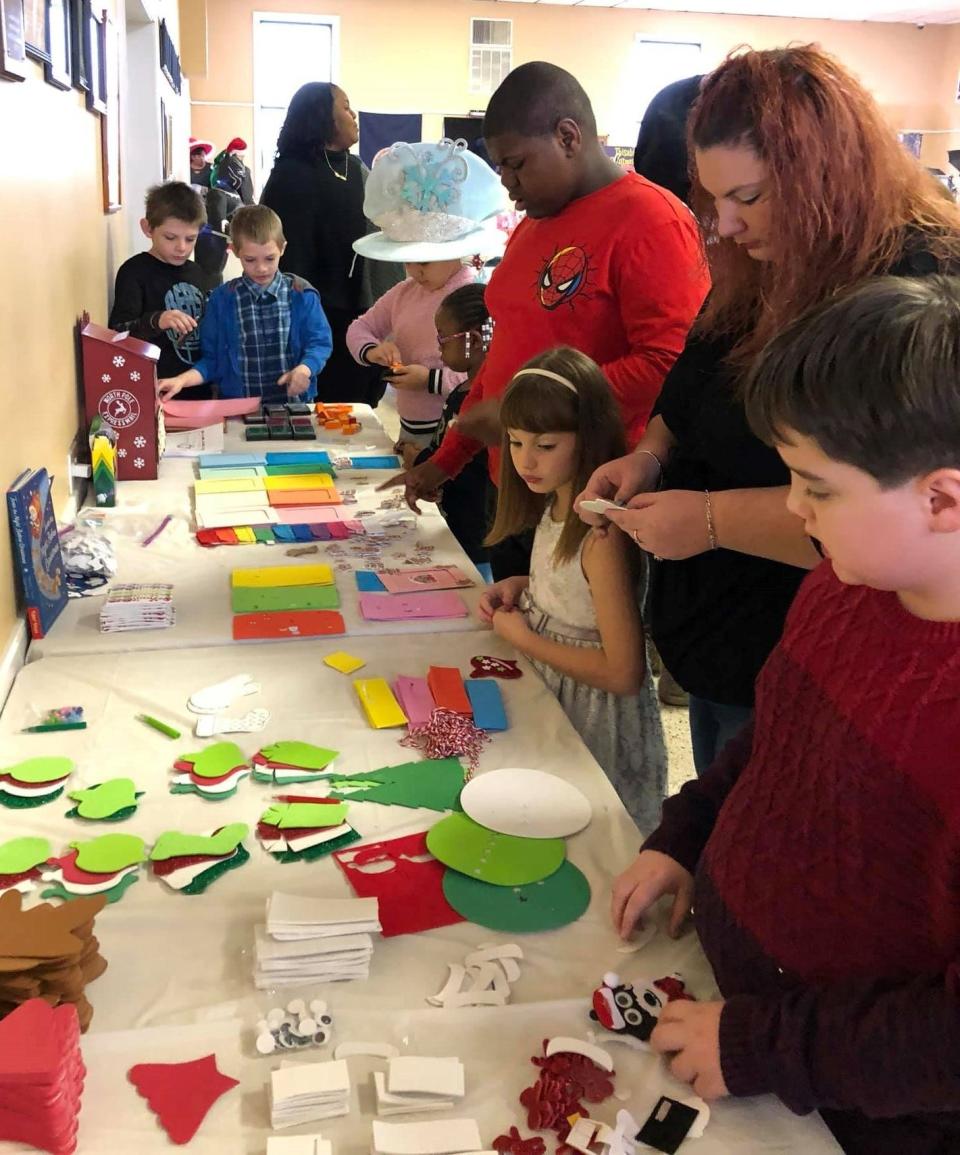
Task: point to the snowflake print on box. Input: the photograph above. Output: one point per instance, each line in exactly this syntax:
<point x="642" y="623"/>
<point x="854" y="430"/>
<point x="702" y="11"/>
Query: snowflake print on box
<point x="120" y="385"/>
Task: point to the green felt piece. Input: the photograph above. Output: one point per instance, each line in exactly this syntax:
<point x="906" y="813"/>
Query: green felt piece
<point x="109" y="853"/>
<point x="202" y="881"/>
<point x="119" y="816"/>
<point x="434" y="783"/>
<point x="104" y="801"/>
<point x="23" y="854"/>
<point x="176" y="844"/>
<point x="247" y="600"/>
<point x="307" y="467"/>
<point x="215" y="760"/>
<point x="114" y="894"/>
<point x="302" y="754"/>
<point x="208" y="795"/>
<point x="263" y="533"/>
<point x="546" y="905"/>
<point x="18" y="802"/>
<point x="305" y="815"/>
<point x="321" y="850"/>
<point x="502" y="859"/>
<point x="34" y="771"/>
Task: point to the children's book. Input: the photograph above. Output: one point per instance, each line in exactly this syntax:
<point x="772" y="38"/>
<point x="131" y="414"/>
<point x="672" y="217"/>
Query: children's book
<point x="37" y="549"/>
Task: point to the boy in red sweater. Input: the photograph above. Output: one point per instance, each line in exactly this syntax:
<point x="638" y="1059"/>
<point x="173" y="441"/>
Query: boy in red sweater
<point x="821" y="852"/>
<point x="604" y="261"/>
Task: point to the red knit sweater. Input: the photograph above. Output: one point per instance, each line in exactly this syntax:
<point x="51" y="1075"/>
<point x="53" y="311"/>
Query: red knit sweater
<point x="618" y="274"/>
<point x="826" y="845"/>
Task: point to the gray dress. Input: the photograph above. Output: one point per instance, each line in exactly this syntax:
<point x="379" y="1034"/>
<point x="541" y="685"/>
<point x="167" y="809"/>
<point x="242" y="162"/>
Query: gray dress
<point x="623" y="732"/>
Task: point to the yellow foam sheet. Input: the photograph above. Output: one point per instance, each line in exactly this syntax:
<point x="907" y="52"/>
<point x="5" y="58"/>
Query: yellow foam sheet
<point x="245" y="534"/>
<point x="269" y="577"/>
<point x="299" y="481"/>
<point x="381" y="707"/>
<point x="229" y="485"/>
<point x="343" y="662"/>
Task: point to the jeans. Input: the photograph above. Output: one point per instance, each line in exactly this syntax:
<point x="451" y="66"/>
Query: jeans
<point x="712" y="725"/>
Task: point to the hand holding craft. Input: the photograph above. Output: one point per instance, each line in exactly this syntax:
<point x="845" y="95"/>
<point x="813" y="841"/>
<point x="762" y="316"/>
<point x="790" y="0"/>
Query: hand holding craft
<point x="619" y="481"/>
<point x="690" y="1033"/>
<point x="651" y="876"/>
<point x="672" y="524"/>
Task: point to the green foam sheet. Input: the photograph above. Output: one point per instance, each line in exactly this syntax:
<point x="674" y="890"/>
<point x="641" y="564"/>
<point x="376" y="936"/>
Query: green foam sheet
<point x="434" y="783"/>
<point x="545" y="905"/>
<point x="501" y="859"/>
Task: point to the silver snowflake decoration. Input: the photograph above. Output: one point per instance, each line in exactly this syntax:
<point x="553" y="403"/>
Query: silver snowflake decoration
<point x="121" y="453"/>
<point x="140" y="442"/>
<point x="134" y="375"/>
<point x="119" y="361"/>
<point x="138" y="463"/>
<point x="105" y="378"/>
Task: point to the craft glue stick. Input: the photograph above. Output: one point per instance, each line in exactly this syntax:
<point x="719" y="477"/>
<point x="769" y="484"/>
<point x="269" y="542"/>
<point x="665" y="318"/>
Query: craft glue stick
<point x="154" y="724"/>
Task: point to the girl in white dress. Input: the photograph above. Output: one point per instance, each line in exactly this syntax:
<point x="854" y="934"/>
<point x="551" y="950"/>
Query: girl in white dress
<point x="577" y="616"/>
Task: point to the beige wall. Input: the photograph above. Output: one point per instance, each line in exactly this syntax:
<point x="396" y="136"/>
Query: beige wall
<point x="60" y="255"/>
<point x="411" y="55"/>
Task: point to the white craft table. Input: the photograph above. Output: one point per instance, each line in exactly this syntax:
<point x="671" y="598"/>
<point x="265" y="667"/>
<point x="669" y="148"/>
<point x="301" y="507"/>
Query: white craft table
<point x="183" y="960"/>
<point x="201" y="576"/>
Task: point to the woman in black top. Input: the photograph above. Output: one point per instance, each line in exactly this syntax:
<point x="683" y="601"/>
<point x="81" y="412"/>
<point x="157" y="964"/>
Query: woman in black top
<point x="801" y="189"/>
<point x="316" y="189"/>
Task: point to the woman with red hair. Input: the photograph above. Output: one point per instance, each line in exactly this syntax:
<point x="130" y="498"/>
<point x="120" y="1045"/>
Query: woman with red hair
<point x="801" y="189"/>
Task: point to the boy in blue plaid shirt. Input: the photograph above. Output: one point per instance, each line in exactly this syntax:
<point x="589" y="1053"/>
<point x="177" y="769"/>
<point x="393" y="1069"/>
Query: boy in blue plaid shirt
<point x="263" y="334"/>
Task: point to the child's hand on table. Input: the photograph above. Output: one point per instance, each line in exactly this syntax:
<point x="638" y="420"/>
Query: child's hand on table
<point x="386" y="354"/>
<point x="168" y="387"/>
<point x="690" y="1033"/>
<point x="180" y="322"/>
<point x="413" y="378"/>
<point x="422" y="483"/>
<point x="297" y="380"/>
<point x="502" y="595"/>
<point x="650" y="877"/>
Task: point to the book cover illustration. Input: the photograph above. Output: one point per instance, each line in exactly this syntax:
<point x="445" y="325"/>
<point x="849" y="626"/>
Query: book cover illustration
<point x="37" y="549"/>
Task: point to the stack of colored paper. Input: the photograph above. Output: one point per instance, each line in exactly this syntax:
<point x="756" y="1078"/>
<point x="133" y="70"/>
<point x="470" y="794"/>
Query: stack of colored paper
<point x="303" y="1092"/>
<point x="214" y="772"/>
<point x="413" y="1084"/>
<point x="310" y="940"/>
<point x="33" y="782"/>
<point x="292" y="917"/>
<point x="138" y="607"/>
<point x="293" y="831"/>
<point x="284" y="762"/>
<point x="48" y="952"/>
<point x="442" y="1137"/>
<point x="41" y="1077"/>
<point x="191" y="862"/>
<point x="108" y="865"/>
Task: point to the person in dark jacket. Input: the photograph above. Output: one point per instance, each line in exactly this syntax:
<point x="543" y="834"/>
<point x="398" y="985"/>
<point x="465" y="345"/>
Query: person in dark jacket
<point x="661" y="152"/>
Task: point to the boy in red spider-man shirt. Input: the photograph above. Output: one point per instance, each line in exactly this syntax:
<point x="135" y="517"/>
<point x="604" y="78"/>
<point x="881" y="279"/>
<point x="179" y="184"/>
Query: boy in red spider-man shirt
<point x="605" y="261"/>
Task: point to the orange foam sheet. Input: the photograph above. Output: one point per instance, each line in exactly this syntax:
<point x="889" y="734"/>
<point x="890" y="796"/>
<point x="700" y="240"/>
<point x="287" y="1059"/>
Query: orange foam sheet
<point x="287" y="624"/>
<point x="285" y="497"/>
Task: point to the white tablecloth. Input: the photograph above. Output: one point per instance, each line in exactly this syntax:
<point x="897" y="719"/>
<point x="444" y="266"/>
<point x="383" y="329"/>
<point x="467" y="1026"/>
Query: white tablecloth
<point x="201" y="576"/>
<point x="178" y="959"/>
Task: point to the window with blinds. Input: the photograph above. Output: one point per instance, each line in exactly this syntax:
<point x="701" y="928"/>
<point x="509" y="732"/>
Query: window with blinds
<point x="491" y="53"/>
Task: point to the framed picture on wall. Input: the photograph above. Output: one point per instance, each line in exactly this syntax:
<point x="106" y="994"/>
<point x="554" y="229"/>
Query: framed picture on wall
<point x="110" y="122"/>
<point x="35" y="29"/>
<point x="13" y="49"/>
<point x="58" y="71"/>
<point x="78" y="10"/>
<point x="94" y="50"/>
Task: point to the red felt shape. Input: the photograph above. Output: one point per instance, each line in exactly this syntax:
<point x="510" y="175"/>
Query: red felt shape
<point x="33" y="1038"/>
<point x="486" y="667"/>
<point x="227" y="536"/>
<point x="181" y="1094"/>
<point x="411" y="895"/>
<point x="564" y="1080"/>
<point x="169" y="865"/>
<point x="287" y="624"/>
<point x="72" y="873"/>
<point x="446" y="686"/>
<point x="8" y="880"/>
<point x="513" y="1143"/>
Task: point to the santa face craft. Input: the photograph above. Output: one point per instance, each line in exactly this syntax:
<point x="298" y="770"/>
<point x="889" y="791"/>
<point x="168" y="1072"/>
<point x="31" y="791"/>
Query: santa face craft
<point x="631" y="1012"/>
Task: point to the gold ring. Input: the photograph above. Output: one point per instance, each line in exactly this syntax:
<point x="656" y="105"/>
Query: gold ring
<point x="637" y="539"/>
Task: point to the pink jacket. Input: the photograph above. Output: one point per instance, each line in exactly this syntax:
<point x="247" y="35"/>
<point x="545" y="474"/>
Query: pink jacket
<point x="404" y="315"/>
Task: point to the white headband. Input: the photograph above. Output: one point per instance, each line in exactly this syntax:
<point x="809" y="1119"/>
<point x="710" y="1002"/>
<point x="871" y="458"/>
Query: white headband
<point x="548" y="373"/>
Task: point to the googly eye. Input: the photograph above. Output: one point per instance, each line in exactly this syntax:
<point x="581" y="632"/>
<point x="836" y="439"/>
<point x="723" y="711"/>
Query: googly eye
<point x="633" y="1017"/>
<point x="623" y="999"/>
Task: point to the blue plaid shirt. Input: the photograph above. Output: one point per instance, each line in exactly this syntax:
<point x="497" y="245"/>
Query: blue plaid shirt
<point x="263" y="312"/>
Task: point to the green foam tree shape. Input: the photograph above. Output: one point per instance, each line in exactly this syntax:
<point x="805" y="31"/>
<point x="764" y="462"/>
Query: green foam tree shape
<point x="105" y="799"/>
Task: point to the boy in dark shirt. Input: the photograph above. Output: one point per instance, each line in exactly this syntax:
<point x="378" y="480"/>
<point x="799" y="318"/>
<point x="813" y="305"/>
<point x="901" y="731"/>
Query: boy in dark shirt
<point x="158" y="295"/>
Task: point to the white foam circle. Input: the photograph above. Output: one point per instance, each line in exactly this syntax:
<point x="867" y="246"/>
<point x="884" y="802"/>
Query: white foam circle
<point x="527" y="803"/>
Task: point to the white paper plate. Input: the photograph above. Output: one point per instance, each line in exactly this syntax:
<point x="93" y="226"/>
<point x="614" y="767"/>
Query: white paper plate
<point x="528" y="803"/>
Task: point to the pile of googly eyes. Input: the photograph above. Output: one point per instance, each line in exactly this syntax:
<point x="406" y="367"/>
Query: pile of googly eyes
<point x="294" y="1027"/>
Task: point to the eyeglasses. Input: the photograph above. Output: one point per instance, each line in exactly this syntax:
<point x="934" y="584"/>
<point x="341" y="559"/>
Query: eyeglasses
<point x="441" y="341"/>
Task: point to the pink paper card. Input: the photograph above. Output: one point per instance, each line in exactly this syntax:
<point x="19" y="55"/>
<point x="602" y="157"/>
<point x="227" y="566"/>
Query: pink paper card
<point x="411" y="607"/>
<point x="411" y="581"/>
<point x="415" y="698"/>
<point x="197" y="414"/>
<point x="307" y="515"/>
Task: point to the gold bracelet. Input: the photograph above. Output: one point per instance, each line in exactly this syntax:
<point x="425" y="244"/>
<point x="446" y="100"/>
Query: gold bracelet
<point x="650" y="453"/>
<point x="711" y="528"/>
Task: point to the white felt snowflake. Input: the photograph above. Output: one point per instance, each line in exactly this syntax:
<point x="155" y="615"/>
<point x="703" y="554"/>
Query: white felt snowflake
<point x="105" y="378"/>
<point x="134" y="375"/>
<point x="138" y="463"/>
<point x="140" y="442"/>
<point x="119" y="361"/>
<point x="121" y="453"/>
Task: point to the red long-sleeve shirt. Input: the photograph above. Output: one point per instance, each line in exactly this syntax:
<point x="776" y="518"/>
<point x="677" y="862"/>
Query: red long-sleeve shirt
<point x="826" y="846"/>
<point x="618" y="274"/>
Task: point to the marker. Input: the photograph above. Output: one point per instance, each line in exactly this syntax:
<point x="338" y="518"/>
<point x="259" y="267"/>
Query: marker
<point x="154" y="724"/>
<point x="48" y="726"/>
